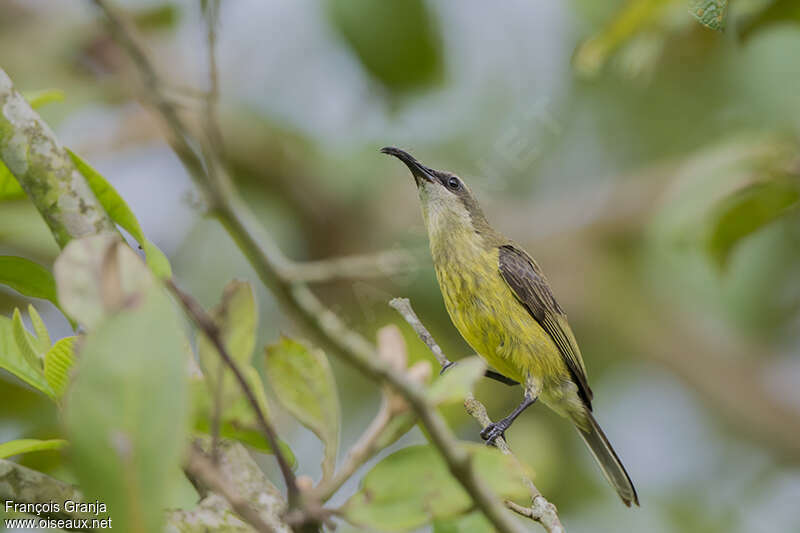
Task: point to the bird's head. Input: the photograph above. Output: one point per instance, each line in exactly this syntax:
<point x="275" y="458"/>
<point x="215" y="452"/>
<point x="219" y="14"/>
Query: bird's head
<point x="447" y="202"/>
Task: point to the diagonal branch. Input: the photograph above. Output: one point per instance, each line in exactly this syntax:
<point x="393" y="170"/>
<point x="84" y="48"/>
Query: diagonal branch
<point x="323" y="324"/>
<point x="46" y="172"/>
<point x="541" y="510"/>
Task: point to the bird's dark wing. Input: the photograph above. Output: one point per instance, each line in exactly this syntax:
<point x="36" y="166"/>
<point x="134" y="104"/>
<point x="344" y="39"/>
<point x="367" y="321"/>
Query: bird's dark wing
<point x="531" y="289"/>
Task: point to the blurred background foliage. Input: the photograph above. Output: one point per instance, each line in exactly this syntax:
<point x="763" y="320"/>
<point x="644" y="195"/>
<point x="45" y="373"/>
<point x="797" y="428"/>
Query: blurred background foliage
<point x="649" y="163"/>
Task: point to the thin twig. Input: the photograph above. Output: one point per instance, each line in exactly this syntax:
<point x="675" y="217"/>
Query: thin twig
<point x="213" y="131"/>
<point x="541" y="510"/>
<point x="204" y="469"/>
<point x="403" y="306"/>
<point x="211" y="14"/>
<point x="376" y="265"/>
<point x="364" y="449"/>
<point x="206" y="324"/>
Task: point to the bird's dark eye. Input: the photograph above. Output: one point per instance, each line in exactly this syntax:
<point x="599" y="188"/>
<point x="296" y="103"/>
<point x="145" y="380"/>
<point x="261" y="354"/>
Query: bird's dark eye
<point x="453" y="183"/>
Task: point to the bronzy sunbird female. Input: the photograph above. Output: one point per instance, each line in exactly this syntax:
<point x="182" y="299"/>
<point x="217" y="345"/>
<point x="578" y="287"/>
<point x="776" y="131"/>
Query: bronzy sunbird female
<point x="502" y="305"/>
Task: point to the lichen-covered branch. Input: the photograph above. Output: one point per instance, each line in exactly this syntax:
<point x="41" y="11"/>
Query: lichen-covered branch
<point x="213" y="513"/>
<point x="45" y="171"/>
<point x="19" y="484"/>
<point x="238" y="479"/>
<point x="540" y="509"/>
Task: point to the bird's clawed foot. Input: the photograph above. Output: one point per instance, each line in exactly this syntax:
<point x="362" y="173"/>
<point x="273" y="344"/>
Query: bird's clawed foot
<point x="494" y="430"/>
<point x="447" y="366"/>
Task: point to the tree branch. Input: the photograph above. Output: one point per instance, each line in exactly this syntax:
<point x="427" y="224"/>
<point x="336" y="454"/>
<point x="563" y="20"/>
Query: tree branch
<point x="541" y="510"/>
<point x="253" y="497"/>
<point x="309" y="312"/>
<point x="206" y="324"/>
<point x="45" y="170"/>
<point x="23" y="485"/>
<point x="381" y="264"/>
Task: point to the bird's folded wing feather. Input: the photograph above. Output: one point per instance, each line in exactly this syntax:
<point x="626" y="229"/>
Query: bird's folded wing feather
<point x="529" y="285"/>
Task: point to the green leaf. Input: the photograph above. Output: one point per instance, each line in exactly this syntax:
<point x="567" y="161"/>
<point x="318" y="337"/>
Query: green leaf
<point x="12" y="360"/>
<point x="118" y="210"/>
<point x="746" y="211"/>
<point x="58" y="362"/>
<point x="27" y="344"/>
<point x="98" y="275"/>
<point x="304" y="384"/>
<point x="20" y="446"/>
<point x="630" y="20"/>
<point x="27" y="278"/>
<point x="9" y="186"/>
<point x="396" y="41"/>
<point x="238" y="422"/>
<point x="413" y="486"/>
<point x="710" y="13"/>
<point x="457" y="382"/>
<point x="41" y="98"/>
<point x="126" y="412"/>
<point x="236" y="316"/>
<point x="42" y="337"/>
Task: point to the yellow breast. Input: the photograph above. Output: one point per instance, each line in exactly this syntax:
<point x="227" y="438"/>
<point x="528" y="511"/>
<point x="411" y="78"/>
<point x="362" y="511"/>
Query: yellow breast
<point x="487" y="314"/>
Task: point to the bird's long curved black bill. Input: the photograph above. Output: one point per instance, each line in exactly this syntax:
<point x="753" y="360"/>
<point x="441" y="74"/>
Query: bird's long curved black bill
<point x="418" y="170"/>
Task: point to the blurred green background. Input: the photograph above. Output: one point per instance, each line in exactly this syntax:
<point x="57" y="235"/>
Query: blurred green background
<point x="650" y="164"/>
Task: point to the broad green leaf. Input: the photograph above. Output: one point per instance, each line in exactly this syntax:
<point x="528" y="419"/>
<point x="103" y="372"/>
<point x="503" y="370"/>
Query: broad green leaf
<point x="632" y="18"/>
<point x="156" y="260"/>
<point x="710" y="13"/>
<point x="303" y="382"/>
<point x="126" y="412"/>
<point x="41" y="98"/>
<point x="474" y="522"/>
<point x="27" y="278"/>
<point x="58" y="362"/>
<point x="413" y="486"/>
<point x="9" y="186"/>
<point x="20" y="446"/>
<point x="746" y="211"/>
<point x="118" y="210"/>
<point x="236" y="317"/>
<point x="396" y="41"/>
<point x="457" y="382"/>
<point x="98" y="275"/>
<point x="12" y="360"/>
<point x="237" y="423"/>
<point x="27" y="344"/>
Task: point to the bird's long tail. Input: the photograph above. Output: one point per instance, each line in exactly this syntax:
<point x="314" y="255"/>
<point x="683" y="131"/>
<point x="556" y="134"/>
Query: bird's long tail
<point x="608" y="461"/>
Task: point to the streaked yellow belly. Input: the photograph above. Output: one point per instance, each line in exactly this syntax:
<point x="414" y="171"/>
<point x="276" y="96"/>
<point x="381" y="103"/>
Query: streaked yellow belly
<point x="487" y="314"/>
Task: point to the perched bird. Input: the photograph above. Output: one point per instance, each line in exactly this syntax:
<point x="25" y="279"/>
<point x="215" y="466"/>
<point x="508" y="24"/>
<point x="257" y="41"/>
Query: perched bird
<point x="502" y="305"/>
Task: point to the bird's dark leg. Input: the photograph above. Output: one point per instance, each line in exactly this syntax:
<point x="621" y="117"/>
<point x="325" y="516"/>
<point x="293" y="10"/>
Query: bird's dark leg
<point x="498" y="429"/>
<point x="491" y="374"/>
<point x="497" y="376"/>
